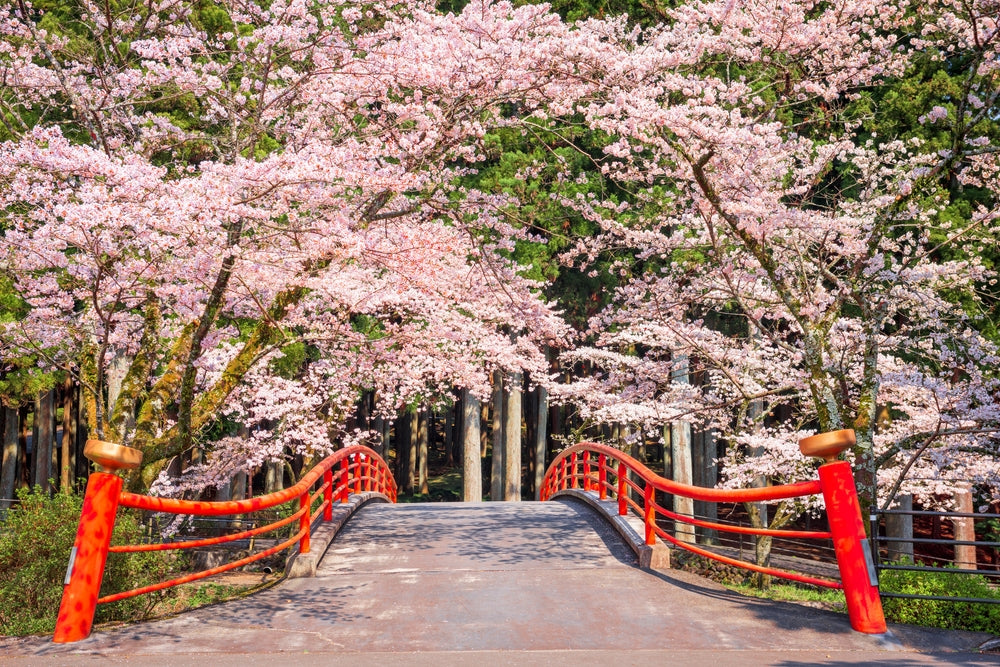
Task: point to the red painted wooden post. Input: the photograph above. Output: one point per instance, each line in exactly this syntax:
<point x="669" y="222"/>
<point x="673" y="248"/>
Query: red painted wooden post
<point x="87" y="559"/>
<point x="357" y="473"/>
<point x="572" y="472"/>
<point x="586" y="471"/>
<point x="649" y="515"/>
<point x="622" y="498"/>
<point x="562" y="474"/>
<point x="864" y="606"/>
<point x="345" y="481"/>
<point x="304" y="522"/>
<point x="602" y="475"/>
<point x="328" y="495"/>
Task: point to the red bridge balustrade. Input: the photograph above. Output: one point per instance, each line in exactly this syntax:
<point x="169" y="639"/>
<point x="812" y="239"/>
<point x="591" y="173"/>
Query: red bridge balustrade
<point x="608" y="472"/>
<point x="351" y="470"/>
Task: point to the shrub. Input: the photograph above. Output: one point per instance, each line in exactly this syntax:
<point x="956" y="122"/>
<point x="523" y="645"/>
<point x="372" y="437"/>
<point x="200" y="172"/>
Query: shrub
<point x="35" y="542"/>
<point x="940" y="613"/>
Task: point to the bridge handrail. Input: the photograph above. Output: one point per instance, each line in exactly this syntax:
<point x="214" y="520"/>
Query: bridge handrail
<point x="360" y="469"/>
<point x="574" y="468"/>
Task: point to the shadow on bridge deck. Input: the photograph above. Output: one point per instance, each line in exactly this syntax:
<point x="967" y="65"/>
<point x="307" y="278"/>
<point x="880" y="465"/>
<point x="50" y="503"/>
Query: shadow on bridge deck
<point x="499" y="583"/>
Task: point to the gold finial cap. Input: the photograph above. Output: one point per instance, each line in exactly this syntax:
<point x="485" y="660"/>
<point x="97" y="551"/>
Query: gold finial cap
<point x="112" y="457"/>
<point x="828" y="446"/>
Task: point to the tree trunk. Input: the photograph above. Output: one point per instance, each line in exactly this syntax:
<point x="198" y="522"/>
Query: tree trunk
<point x="274" y="476"/>
<point x="402" y="448"/>
<point x="44" y="444"/>
<point x="8" y="465"/>
<point x="67" y="462"/>
<point x="555" y="420"/>
<point x="457" y="427"/>
<point x="423" y="445"/>
<point x="758" y="511"/>
<point x="81" y="464"/>
<point x="36" y="408"/>
<point x="238" y="486"/>
<point x="512" y="440"/>
<point x="762" y="543"/>
<point x="412" y="442"/>
<point x="239" y="483"/>
<point x="472" y="481"/>
<point x="378" y="425"/>
<point x="681" y="456"/>
<point x="117" y="369"/>
<point x="497" y="425"/>
<point x="705" y="472"/>
<point x="541" y="415"/>
<point x="386" y="428"/>
<point x="23" y="459"/>
<point x="364" y="411"/>
<point x="484" y="441"/>
<point x="459" y="412"/>
<point x="448" y="433"/>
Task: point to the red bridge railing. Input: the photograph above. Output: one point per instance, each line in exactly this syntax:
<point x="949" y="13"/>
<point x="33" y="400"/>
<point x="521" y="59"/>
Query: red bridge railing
<point x="352" y="470"/>
<point x="610" y="473"/>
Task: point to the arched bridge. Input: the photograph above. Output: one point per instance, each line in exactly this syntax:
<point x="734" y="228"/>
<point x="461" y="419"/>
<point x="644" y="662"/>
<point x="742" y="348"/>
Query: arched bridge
<point x="549" y="580"/>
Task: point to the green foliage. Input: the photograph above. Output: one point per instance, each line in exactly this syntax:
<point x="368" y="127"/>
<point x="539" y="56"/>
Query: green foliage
<point x="825" y="597"/>
<point x="532" y="164"/>
<point x="938" y="613"/>
<point x="35" y="542"/>
<point x="207" y="594"/>
<point x="292" y="360"/>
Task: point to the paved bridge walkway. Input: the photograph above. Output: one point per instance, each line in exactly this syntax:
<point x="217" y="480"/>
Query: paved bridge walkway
<point x="497" y="583"/>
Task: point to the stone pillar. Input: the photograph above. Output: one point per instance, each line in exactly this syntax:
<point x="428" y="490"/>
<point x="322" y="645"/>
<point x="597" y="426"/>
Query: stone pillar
<point x="900" y="526"/>
<point x="965" y="531"/>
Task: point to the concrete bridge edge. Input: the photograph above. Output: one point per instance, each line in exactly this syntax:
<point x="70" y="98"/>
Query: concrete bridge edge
<point x="630" y="527"/>
<point x="301" y="565"/>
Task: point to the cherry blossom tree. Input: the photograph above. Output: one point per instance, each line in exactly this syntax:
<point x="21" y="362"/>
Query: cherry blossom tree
<point x="195" y="188"/>
<point x="800" y="264"/>
<point x="206" y="190"/>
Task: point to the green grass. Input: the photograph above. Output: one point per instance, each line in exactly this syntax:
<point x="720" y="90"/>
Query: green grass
<point x="786" y="592"/>
<point x="443" y="488"/>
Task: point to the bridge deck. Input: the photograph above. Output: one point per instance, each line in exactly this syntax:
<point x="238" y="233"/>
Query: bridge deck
<point x="413" y="583"/>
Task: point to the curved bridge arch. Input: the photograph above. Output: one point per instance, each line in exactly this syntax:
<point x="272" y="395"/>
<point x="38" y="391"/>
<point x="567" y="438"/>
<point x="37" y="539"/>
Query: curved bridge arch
<point x="596" y="473"/>
<point x="357" y="473"/>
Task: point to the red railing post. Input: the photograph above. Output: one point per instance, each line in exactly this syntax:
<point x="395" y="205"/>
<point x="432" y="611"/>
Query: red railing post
<point x="345" y="471"/>
<point x="602" y="475"/>
<point x="586" y="471"/>
<point x="87" y="559"/>
<point x="328" y="495"/>
<point x="622" y="497"/>
<point x="304" y="522"/>
<point x="562" y="474"/>
<point x="574" y="482"/>
<point x="857" y="574"/>
<point x="358" y="470"/>
<point x="649" y="515"/>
